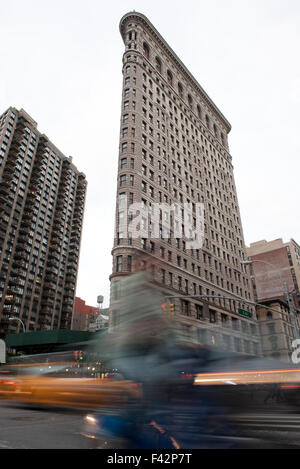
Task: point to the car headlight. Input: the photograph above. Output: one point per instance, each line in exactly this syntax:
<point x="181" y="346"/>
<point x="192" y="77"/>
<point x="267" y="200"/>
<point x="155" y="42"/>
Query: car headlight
<point x="90" y="419"/>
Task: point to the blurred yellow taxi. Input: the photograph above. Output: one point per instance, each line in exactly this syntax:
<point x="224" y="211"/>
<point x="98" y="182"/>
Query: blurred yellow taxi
<point x="71" y="391"/>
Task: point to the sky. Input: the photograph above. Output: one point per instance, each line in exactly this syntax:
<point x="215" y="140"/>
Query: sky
<point x="61" y="61"/>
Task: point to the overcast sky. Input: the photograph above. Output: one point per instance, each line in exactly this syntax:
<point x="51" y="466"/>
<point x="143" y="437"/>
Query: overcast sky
<point x="61" y="61"/>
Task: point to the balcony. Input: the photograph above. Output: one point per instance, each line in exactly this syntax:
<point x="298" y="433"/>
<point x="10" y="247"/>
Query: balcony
<point x="26" y="223"/>
<point x="42" y="144"/>
<point x="47" y="302"/>
<point x="70" y="277"/>
<point x="50" y="277"/>
<point x="53" y="264"/>
<point x="49" y="285"/>
<point x="53" y="255"/>
<point x="9" y="168"/>
<point x="19" y="254"/>
<point x="68" y="301"/>
<point x="19" y="263"/>
<point x="4" y="188"/>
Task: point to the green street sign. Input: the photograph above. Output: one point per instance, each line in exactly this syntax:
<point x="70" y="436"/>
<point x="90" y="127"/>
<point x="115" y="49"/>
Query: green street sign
<point x="245" y="313"/>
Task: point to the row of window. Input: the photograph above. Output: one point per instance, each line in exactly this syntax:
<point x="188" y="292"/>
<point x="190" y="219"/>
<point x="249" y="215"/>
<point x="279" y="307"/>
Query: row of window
<point x="180" y="90"/>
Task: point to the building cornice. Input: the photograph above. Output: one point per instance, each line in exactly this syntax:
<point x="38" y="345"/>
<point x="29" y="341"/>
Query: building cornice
<point x="135" y="16"/>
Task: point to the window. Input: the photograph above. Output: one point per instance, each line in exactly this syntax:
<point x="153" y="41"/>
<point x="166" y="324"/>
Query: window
<point x="180" y="90"/>
<point x="146" y="50"/>
<point x="123" y="180"/>
<point x="199" y="110"/>
<point x="212" y="316"/>
<point x="119" y="263"/>
<point x="158" y="64"/>
<point x="185" y="308"/>
<point x="122" y="200"/>
<point x="207" y="121"/>
<point x="199" y="311"/>
<point x="170" y="77"/>
<point x="215" y="130"/>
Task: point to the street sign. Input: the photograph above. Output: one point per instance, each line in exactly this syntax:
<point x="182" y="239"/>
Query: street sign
<point x="245" y="313"/>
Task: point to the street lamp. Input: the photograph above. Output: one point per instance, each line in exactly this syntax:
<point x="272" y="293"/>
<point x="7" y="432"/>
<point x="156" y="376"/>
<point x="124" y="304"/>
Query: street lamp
<point x="18" y="319"/>
<point x="285" y="289"/>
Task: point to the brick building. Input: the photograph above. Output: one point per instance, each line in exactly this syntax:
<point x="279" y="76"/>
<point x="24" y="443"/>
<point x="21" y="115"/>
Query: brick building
<point x="174" y="153"/>
<point x="275" y="263"/>
<point x="83" y="315"/>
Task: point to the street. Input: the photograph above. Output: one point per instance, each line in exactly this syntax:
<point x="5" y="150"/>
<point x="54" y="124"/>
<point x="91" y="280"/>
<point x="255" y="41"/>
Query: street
<point x="27" y="428"/>
<point x="59" y="428"/>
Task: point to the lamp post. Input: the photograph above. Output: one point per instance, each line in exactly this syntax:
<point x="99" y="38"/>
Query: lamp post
<point x="285" y="289"/>
<point x="18" y="319"/>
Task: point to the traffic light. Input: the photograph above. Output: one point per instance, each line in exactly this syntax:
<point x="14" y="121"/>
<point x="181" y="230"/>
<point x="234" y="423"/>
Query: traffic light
<point x="168" y="308"/>
<point x="81" y="355"/>
<point x="76" y="355"/>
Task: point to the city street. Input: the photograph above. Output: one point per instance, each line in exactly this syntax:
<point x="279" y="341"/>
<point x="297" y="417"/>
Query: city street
<point x="56" y="428"/>
<point x="27" y="428"/>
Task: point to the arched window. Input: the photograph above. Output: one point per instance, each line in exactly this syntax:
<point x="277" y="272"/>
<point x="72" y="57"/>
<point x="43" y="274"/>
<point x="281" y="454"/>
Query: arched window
<point x="180" y="89"/>
<point x="190" y="100"/>
<point x="170" y="77"/>
<point x="146" y="50"/>
<point x="158" y="64"/>
<point x="222" y="139"/>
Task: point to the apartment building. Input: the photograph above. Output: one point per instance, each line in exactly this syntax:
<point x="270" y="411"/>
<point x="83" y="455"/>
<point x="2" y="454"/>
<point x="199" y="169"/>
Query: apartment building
<point x="42" y="196"/>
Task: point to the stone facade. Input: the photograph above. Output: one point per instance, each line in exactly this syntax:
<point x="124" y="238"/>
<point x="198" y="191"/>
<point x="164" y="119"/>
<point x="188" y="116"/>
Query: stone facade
<point x="174" y="150"/>
<point x="276" y="330"/>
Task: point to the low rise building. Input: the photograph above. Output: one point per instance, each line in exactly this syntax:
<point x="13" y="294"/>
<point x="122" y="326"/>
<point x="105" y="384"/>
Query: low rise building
<point x="101" y="322"/>
<point x="276" y="328"/>
<point x="83" y="315"/>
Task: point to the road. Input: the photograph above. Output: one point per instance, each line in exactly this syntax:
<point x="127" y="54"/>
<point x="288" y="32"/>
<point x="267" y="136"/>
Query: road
<point x="24" y="427"/>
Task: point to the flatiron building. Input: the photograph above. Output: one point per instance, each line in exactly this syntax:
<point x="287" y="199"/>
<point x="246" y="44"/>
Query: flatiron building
<point x="174" y="151"/>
